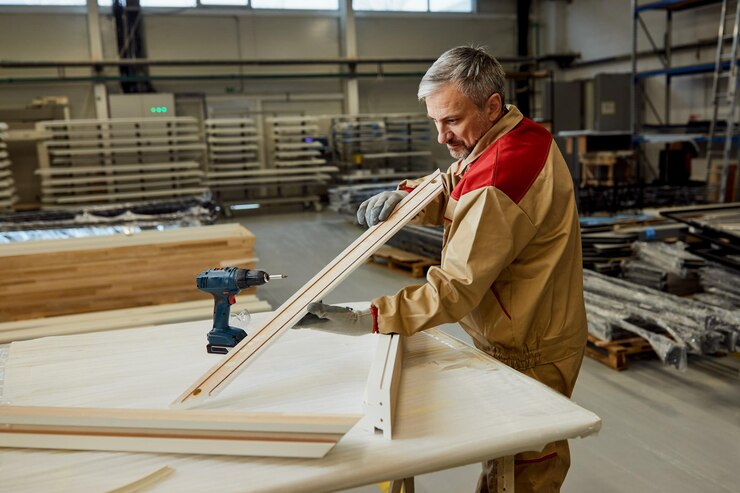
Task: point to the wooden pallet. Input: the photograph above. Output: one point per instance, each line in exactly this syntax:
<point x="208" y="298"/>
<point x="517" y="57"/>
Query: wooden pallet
<point x="614" y="354"/>
<point x="397" y="259"/>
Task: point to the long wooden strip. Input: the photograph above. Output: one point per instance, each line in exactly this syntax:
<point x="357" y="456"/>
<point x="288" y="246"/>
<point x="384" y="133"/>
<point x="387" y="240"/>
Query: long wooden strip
<point x="122" y="319"/>
<point x="172" y="431"/>
<point x="292" y="310"/>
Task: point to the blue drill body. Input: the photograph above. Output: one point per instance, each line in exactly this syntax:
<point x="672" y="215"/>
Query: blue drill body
<point x="224" y="284"/>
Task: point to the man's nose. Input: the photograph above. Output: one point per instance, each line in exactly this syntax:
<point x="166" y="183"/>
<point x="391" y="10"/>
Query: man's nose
<point x="443" y="135"/>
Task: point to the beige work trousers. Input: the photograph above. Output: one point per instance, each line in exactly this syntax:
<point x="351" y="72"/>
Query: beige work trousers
<point x="540" y="472"/>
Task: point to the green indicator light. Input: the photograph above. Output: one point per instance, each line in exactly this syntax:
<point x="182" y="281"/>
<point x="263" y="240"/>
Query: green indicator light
<point x="164" y="109"/>
<point x="152" y="109"/>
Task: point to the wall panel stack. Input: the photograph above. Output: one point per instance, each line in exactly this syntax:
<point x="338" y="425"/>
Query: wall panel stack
<point x="233" y="152"/>
<point x="88" y="162"/>
<point x="8" y="196"/>
<point x="78" y="275"/>
<point x="296" y="172"/>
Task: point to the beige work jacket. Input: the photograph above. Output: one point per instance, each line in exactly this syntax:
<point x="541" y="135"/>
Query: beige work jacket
<point x="511" y="270"/>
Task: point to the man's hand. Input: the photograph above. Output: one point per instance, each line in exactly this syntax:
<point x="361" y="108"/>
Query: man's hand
<point x="340" y="319"/>
<point x="378" y="207"/>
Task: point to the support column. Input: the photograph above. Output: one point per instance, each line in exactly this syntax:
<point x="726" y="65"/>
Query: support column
<point x="100" y="91"/>
<point x="348" y="37"/>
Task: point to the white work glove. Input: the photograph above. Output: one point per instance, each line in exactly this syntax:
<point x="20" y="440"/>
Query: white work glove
<point x="378" y="207"/>
<point x="340" y="319"/>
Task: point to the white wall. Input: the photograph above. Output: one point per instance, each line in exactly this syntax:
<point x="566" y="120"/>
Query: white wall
<point x="189" y="35"/>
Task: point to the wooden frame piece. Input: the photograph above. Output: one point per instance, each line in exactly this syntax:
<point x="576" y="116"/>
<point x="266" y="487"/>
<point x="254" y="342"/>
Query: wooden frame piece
<point x="381" y="394"/>
<point x="172" y="431"/>
<point x="216" y="379"/>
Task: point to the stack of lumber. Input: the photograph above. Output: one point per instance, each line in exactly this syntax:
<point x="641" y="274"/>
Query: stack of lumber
<point x="8" y="196"/>
<point x="78" y="275"/>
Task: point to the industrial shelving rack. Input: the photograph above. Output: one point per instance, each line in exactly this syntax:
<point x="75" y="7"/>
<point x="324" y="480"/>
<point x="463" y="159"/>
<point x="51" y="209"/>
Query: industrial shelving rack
<point x="375" y="147"/>
<point x="121" y="160"/>
<point x="8" y="195"/>
<point x="233" y="154"/>
<point x="296" y="172"/>
<point x="666" y="132"/>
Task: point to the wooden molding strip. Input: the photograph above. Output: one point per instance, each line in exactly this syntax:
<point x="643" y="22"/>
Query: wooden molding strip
<point x="216" y="379"/>
<point x="172" y="431"/>
<point x="383" y="384"/>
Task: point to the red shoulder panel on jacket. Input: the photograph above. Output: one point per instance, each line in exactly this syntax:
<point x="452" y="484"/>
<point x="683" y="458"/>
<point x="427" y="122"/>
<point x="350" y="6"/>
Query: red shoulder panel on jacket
<point x="511" y="164"/>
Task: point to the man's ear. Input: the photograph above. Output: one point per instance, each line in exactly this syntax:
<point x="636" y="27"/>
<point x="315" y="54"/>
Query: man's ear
<point x="494" y="107"/>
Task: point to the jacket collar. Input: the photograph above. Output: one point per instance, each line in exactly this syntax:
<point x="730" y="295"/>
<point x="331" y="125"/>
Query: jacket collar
<point x="504" y="125"/>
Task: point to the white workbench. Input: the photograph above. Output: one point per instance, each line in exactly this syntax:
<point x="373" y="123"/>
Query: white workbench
<point x="457" y="406"/>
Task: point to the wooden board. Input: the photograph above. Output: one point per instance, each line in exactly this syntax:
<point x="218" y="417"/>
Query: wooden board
<point x="98" y="321"/>
<point x="171" y="431"/>
<point x="295" y="307"/>
<point x="78" y="275"/>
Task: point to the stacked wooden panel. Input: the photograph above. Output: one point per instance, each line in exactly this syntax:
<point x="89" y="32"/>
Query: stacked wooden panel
<point x="87" y="162"/>
<point x="8" y="196"/>
<point x="233" y="152"/>
<point x="78" y="275"/>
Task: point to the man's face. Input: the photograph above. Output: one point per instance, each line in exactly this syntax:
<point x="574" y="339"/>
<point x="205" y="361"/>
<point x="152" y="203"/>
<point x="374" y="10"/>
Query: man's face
<point x="460" y="123"/>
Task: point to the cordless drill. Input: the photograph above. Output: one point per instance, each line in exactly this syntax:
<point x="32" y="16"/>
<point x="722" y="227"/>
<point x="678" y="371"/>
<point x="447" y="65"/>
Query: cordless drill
<point x="224" y="284"/>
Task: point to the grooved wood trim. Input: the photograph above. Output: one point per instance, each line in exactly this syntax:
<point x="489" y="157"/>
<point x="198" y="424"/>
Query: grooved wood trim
<point x="172" y="431"/>
<point x="383" y="383"/>
<point x="294" y="308"/>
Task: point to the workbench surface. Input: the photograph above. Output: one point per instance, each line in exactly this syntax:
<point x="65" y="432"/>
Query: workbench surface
<point x="457" y="406"/>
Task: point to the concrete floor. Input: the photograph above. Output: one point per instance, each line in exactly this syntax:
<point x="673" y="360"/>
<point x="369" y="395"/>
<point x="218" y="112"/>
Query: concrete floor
<point x="663" y="430"/>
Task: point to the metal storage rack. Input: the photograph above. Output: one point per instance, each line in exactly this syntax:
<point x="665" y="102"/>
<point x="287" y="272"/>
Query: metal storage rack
<point x="381" y="146"/>
<point x="666" y="131"/>
<point x="8" y="196"/>
<point x="89" y="162"/>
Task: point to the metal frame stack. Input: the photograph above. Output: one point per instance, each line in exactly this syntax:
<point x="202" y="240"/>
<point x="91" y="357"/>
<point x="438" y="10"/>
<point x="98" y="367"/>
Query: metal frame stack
<point x="8" y="196"/>
<point x="88" y="162"/>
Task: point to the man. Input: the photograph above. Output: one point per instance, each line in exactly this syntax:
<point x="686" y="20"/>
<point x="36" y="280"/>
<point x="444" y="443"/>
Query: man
<point x="511" y="271"/>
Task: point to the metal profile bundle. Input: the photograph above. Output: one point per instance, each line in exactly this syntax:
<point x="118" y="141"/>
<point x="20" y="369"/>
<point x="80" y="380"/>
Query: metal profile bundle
<point x="8" y="195"/>
<point x="673" y="325"/>
<point x="233" y="151"/>
<point x="88" y="162"/>
<point x="718" y="228"/>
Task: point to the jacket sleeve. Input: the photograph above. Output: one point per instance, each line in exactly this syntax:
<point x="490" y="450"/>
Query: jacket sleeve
<point x="487" y="233"/>
<point x="433" y="214"/>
